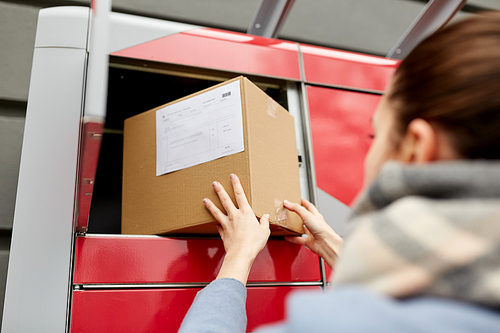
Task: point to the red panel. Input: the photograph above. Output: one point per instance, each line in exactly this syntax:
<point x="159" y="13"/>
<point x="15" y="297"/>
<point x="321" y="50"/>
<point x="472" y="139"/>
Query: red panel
<point x="340" y="127"/>
<point x="108" y="259"/>
<point x="328" y="66"/>
<point x="328" y="273"/>
<point x="162" y="310"/>
<point x="155" y="310"/>
<point x="267" y="305"/>
<point x="211" y="48"/>
<point x="91" y="145"/>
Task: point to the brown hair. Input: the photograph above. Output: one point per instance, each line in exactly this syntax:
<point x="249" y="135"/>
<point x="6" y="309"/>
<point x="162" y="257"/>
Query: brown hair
<point x="452" y="79"/>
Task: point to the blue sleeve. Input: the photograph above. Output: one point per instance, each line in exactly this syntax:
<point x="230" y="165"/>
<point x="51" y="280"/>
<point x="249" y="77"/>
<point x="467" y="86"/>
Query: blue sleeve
<point x="355" y="310"/>
<point x="219" y="307"/>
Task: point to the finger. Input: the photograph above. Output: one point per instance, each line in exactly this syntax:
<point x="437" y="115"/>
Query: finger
<point x="239" y="193"/>
<point x="296" y="240"/>
<point x="307" y="232"/>
<point x="226" y="201"/>
<point x="302" y="211"/>
<point x="309" y="206"/>
<point x="264" y="221"/>
<point x="215" y="211"/>
<point x="220" y="230"/>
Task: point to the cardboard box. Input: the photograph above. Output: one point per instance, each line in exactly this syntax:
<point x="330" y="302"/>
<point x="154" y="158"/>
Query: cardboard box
<point x="173" y="203"/>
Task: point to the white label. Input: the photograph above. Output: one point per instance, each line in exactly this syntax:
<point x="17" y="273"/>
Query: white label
<point x="199" y="129"/>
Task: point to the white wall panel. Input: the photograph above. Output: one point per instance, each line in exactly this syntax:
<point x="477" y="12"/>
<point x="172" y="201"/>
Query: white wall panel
<point x="39" y="265"/>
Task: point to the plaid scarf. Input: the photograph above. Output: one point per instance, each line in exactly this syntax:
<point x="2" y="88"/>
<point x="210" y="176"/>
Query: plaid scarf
<point x="429" y="230"/>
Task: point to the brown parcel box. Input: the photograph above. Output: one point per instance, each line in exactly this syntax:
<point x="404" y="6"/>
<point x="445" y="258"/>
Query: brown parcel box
<point x="173" y="203"/>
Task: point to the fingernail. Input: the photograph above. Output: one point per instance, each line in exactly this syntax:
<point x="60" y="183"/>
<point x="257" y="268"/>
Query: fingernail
<point x="205" y="201"/>
<point x="215" y="184"/>
<point x="286" y="202"/>
<point x="232" y="176"/>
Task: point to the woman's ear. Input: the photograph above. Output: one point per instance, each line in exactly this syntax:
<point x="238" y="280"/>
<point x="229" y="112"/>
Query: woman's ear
<point x="420" y="143"/>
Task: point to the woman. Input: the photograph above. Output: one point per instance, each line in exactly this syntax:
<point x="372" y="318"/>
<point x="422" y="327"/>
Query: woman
<point x="424" y="254"/>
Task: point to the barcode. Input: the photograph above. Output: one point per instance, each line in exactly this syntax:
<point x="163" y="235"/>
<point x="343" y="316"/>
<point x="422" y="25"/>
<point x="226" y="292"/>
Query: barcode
<point x="226" y="94"/>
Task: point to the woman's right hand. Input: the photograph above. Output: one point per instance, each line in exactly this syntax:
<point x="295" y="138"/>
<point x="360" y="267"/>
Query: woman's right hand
<point x="321" y="239"/>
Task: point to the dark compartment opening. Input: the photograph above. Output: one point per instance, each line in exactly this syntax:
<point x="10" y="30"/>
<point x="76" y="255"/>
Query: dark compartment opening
<point x="131" y="92"/>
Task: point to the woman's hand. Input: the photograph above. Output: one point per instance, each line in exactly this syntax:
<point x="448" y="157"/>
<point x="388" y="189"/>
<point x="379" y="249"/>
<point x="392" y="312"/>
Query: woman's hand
<point x="242" y="234"/>
<point x="321" y="239"/>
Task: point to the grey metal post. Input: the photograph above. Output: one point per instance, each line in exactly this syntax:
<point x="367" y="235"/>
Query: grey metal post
<point x="436" y="14"/>
<point x="269" y="17"/>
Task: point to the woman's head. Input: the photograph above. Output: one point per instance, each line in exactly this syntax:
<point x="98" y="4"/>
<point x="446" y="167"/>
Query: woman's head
<point x="448" y="87"/>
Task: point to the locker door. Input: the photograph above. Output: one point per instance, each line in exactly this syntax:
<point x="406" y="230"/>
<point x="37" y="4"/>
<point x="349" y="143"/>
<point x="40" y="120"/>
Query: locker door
<point x="346" y="69"/>
<point x="162" y="310"/>
<point x="340" y="128"/>
<point x="147" y="283"/>
<point x="222" y="50"/>
<point x="107" y="260"/>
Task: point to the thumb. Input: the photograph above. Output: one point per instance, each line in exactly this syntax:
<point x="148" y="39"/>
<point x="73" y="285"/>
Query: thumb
<point x="264" y="221"/>
<point x="296" y="240"/>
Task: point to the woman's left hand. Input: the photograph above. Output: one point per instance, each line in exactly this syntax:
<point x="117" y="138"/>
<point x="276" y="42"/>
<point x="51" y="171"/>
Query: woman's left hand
<point x="242" y="234"/>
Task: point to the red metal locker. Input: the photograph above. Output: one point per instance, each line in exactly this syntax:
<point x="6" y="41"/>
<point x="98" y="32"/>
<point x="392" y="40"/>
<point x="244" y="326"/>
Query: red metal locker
<point x="162" y="310"/>
<point x="223" y="50"/>
<point x="340" y="127"/>
<point x="346" y="69"/>
<point x="107" y="262"/>
<point x="136" y="260"/>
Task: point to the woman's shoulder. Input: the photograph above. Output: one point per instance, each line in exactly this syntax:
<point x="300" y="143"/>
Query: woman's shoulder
<point x="355" y="309"/>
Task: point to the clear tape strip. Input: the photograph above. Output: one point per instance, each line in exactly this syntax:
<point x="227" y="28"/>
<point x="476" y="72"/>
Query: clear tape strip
<point x="281" y="215"/>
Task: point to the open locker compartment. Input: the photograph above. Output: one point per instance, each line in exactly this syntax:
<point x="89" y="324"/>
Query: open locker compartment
<point x="117" y="275"/>
<point x="135" y="87"/>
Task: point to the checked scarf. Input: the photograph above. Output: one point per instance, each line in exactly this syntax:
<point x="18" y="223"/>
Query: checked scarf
<point x="430" y="230"/>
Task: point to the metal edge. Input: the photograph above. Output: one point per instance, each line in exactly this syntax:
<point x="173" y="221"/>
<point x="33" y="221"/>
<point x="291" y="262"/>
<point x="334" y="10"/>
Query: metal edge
<point x="301" y="63"/>
<point x="75" y="204"/>
<point x="269" y="17"/>
<point x="146" y="62"/>
<point x="322" y="264"/>
<point x="418" y="30"/>
<point x="308" y="143"/>
<point x="306" y="127"/>
<point x="194" y="75"/>
<point x="78" y="287"/>
<point x="294" y="107"/>
<point x="96" y="235"/>
<point x="346" y="88"/>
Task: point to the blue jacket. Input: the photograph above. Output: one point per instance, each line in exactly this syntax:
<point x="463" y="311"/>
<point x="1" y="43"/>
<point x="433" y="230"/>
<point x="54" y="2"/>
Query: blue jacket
<point x="220" y="307"/>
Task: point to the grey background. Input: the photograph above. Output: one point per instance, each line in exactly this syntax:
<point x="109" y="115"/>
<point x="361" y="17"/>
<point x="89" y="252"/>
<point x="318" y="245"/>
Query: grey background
<point x="369" y="26"/>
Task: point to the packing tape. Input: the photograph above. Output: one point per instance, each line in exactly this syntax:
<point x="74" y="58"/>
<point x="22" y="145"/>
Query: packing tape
<point x="272" y="108"/>
<point x="280" y="212"/>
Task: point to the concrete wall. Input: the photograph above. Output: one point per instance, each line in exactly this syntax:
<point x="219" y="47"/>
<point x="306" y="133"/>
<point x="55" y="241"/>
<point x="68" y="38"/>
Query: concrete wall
<point x="365" y="25"/>
<point x="17" y="36"/>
